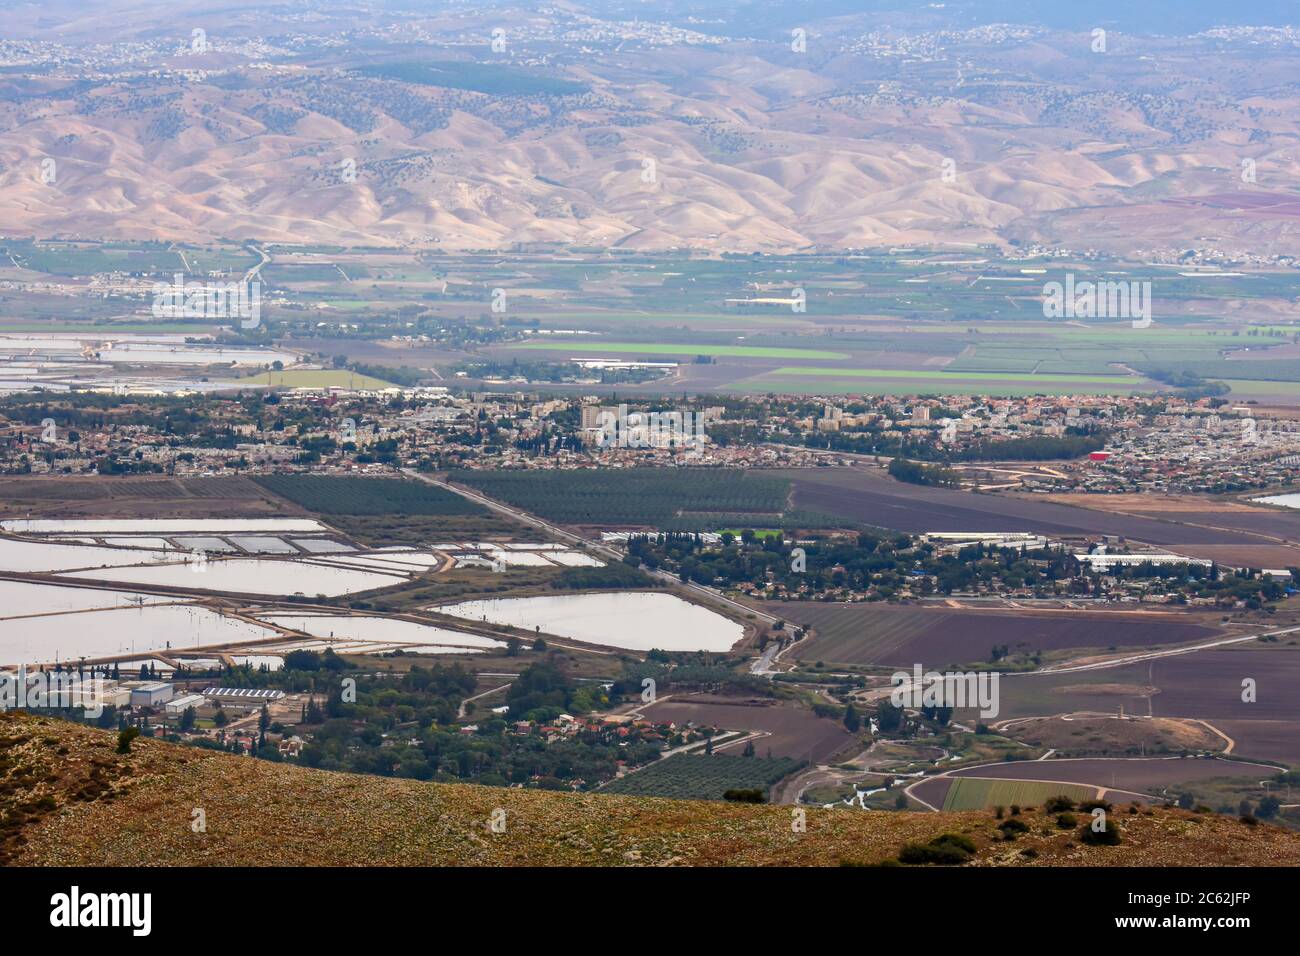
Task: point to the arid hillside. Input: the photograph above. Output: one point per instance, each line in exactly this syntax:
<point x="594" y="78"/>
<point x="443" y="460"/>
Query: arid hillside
<point x="67" y="798"/>
<point x="450" y="130"/>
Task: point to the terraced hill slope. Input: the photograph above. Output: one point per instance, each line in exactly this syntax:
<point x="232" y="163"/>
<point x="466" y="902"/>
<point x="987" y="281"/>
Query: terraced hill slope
<point x="67" y="798"/>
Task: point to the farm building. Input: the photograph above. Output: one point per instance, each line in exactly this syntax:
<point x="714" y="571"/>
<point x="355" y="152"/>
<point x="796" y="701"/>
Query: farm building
<point x="151" y="695"/>
<point x="241" y="696"/>
<point x="950" y="542"/>
<point x="179" y="705"/>
<point x="109" y="693"/>
<point x="1104" y="562"/>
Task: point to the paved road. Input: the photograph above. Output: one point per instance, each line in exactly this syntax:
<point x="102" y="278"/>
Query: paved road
<point x="460" y="713"/>
<point x="255" y="272"/>
<point x="763" y="666"/>
<point x="1148" y="656"/>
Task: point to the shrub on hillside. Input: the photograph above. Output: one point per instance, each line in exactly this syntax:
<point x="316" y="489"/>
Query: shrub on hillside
<point x="947" y="849"/>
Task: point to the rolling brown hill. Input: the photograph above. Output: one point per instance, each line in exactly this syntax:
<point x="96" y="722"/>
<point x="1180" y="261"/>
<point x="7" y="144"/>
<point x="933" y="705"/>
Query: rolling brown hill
<point x="67" y="798"/>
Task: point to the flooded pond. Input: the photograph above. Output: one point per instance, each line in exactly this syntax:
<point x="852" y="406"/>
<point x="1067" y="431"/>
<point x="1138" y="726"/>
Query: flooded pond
<point x="520" y="555"/>
<point x="1286" y="501"/>
<point x="251" y="576"/>
<point x="200" y="542"/>
<point x="633" y="620"/>
<point x="380" y="630"/>
<point x="99" y="526"/>
<point x="139" y="541"/>
<point x="258" y="544"/>
<point x="64" y="637"/>
<point x="373" y="562"/>
<point x="322" y="545"/>
<point x="21" y="599"/>
<point x="30" y="556"/>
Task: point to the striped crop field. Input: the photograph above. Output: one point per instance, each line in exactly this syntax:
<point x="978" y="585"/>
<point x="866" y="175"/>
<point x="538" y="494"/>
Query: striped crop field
<point x="975" y="793"/>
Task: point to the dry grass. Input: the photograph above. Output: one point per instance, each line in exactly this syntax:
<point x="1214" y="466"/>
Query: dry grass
<point x="69" y="799"/>
<point x="1103" y="734"/>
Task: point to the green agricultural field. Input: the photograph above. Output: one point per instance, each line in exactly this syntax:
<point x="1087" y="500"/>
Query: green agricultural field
<point x="1071" y="359"/>
<point x="940" y="376"/>
<point x="386" y="530"/>
<point x="830" y="382"/>
<point x="667" y="499"/>
<point x="1271" y="370"/>
<point x="286" y="274"/>
<point x="703" y="776"/>
<point x="971" y="793"/>
<point x="725" y="520"/>
<point x="87" y="258"/>
<point x="351" y="305"/>
<point x="1263" y="389"/>
<point x="660" y="348"/>
<point x="611" y="316"/>
<point x="345" y="495"/>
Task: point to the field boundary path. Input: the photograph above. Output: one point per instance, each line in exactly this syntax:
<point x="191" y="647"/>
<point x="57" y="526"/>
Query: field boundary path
<point x="605" y="551"/>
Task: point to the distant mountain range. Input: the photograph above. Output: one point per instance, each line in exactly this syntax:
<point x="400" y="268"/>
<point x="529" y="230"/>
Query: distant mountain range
<point x="473" y="128"/>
